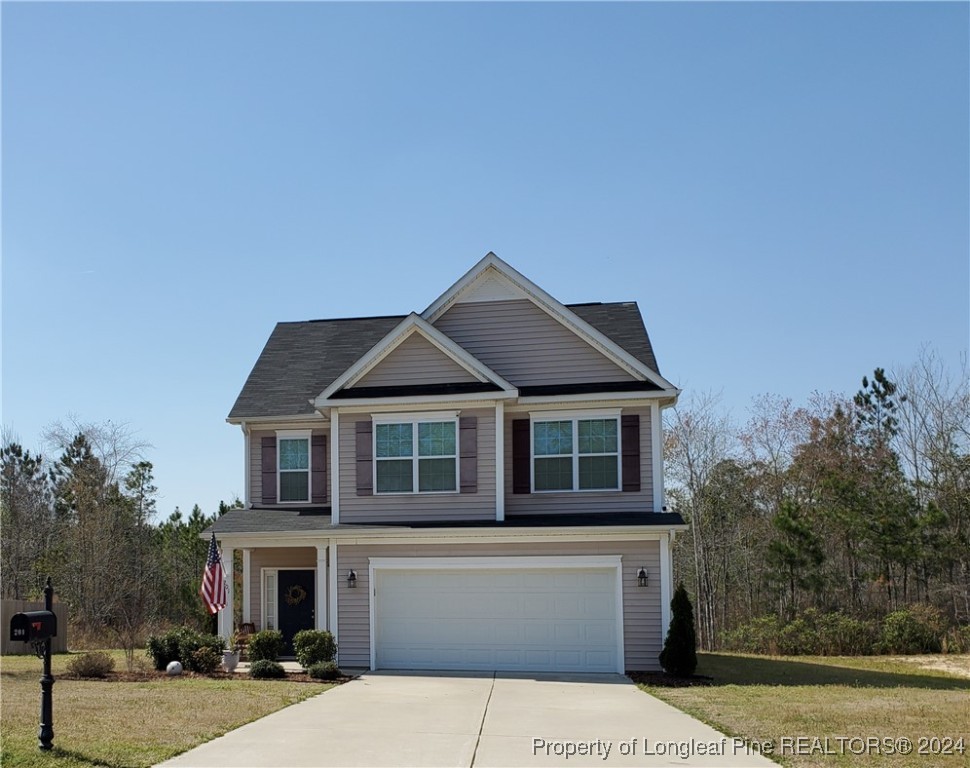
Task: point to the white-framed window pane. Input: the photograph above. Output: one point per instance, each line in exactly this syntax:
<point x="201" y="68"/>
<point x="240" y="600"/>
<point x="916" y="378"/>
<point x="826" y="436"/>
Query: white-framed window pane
<point x="436" y="438"/>
<point x="597" y="436"/>
<point x="597" y="472"/>
<point x="554" y="474"/>
<point x="436" y="474"/>
<point x="552" y="438"/>
<point x="394" y="440"/>
<point x="294" y="486"/>
<point x="294" y="454"/>
<point x="395" y="476"/>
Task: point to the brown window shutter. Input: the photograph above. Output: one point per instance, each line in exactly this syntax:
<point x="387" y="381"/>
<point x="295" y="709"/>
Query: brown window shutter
<point x="318" y="469"/>
<point x="468" y="454"/>
<point x="268" y="445"/>
<point x="630" y="427"/>
<point x="365" y="458"/>
<point x="521" y="472"/>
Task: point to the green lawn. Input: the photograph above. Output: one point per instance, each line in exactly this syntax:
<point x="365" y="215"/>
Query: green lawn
<point x="776" y="698"/>
<point x="127" y="724"/>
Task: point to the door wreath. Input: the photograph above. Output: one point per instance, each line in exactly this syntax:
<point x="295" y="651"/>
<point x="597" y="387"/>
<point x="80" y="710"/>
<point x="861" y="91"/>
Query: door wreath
<point x="295" y="595"/>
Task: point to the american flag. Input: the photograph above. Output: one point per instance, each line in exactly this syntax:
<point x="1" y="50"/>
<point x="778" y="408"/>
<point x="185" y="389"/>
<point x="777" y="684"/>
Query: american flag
<point x="213" y="589"/>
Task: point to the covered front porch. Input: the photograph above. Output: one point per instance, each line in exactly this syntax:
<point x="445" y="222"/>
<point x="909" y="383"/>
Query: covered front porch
<point x="285" y="588"/>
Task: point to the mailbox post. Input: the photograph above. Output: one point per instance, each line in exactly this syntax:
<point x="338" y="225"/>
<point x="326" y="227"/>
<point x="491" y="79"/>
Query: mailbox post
<point x="45" y="734"/>
<point x="38" y="627"/>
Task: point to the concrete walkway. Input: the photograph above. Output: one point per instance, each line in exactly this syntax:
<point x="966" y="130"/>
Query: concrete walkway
<point x="455" y="719"/>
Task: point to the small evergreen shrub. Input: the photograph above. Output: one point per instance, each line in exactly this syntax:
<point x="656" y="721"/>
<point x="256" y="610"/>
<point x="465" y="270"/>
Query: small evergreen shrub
<point x="181" y="644"/>
<point x="265" y="645"/>
<point x="679" y="654"/>
<point x="324" y="670"/>
<point x="264" y="669"/>
<point x="206" y="660"/>
<point x="916" y="629"/>
<point x="96" y="664"/>
<point x="313" y="646"/>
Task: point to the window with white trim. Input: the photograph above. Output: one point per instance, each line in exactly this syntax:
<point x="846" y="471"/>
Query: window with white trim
<point x="416" y="456"/>
<point x="293" y="466"/>
<point x="576" y="454"/>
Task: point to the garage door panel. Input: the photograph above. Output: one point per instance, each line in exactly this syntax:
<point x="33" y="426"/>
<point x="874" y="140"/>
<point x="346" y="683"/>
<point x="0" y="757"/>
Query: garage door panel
<point x="482" y="619"/>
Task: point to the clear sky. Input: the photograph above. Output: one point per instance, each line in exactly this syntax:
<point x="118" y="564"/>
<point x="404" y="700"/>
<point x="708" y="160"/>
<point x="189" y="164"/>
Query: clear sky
<point x="782" y="187"/>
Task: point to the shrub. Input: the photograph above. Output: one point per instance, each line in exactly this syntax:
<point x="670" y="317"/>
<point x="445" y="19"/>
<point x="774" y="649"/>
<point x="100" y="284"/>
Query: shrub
<point x="916" y="629"/>
<point x="324" y="670"/>
<point x="760" y="635"/>
<point x="96" y="664"/>
<point x="181" y="644"/>
<point x="679" y="654"/>
<point x="264" y="669"/>
<point x="205" y="660"/>
<point x="313" y="646"/>
<point x="265" y="645"/>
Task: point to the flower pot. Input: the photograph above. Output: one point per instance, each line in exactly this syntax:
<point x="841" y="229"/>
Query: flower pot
<point x="230" y="659"/>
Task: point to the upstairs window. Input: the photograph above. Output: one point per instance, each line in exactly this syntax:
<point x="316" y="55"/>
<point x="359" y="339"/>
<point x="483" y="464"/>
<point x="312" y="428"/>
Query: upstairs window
<point x="419" y="456"/>
<point x="294" y="466"/>
<point x="576" y="454"/>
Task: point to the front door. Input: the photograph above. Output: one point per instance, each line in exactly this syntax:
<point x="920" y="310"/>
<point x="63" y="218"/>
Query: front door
<point x="296" y="603"/>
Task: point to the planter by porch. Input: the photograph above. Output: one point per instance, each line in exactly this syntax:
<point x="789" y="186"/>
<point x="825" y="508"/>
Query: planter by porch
<point x="230" y="660"/>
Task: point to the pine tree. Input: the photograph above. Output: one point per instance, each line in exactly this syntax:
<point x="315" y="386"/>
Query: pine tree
<point x="679" y="655"/>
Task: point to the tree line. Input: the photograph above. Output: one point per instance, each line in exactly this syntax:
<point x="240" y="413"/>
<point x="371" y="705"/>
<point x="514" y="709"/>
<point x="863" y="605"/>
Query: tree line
<point x="852" y="504"/>
<point x="87" y="519"/>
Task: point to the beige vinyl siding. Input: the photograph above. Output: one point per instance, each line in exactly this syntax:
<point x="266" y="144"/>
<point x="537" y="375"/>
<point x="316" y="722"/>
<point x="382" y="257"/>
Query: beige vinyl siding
<point x="418" y="506"/>
<point x="415" y="361"/>
<point x="641" y="606"/>
<point x="583" y="501"/>
<point x="256" y="461"/>
<point x="525" y="345"/>
<point x="273" y="557"/>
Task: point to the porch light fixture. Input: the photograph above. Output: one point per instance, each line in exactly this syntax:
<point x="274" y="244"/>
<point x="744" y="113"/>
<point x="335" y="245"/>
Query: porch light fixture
<point x="352" y="579"/>
<point x="642" y="577"/>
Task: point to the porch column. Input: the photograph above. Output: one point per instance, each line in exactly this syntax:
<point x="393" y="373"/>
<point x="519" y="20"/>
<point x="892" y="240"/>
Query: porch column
<point x="322" y="619"/>
<point x="226" y="614"/>
<point x="247" y="606"/>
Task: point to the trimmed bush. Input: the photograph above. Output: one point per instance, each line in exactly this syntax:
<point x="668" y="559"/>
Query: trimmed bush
<point x="265" y="645"/>
<point x="96" y="664"/>
<point x="181" y="644"/>
<point x="206" y="660"/>
<point x="916" y="629"/>
<point x="264" y="669"/>
<point x="324" y="670"/>
<point x="679" y="654"/>
<point x="313" y="646"/>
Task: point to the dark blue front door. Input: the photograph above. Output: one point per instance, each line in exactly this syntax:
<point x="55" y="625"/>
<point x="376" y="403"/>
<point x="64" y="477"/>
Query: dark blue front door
<point x="296" y="601"/>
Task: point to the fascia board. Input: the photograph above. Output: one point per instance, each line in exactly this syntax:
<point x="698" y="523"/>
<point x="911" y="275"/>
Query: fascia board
<point x="553" y="307"/>
<point x="369" y="403"/>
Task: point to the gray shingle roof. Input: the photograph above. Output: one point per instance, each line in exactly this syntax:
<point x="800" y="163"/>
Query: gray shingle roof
<point x="301" y="359"/>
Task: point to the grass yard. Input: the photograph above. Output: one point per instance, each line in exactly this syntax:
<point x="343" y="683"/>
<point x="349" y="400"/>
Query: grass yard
<point x="127" y="724"/>
<point x="766" y="699"/>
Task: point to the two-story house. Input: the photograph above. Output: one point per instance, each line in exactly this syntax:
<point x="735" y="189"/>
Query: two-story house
<point x="475" y="487"/>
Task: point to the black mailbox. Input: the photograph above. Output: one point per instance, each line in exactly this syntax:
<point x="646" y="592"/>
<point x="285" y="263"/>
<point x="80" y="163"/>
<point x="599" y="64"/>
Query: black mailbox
<point x="33" y="625"/>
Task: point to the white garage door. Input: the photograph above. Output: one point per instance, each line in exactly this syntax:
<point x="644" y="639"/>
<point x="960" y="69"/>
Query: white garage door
<point x="536" y="619"/>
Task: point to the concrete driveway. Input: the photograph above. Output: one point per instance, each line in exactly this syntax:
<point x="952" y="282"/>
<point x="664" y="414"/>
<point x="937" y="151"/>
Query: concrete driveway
<point x="455" y="719"/>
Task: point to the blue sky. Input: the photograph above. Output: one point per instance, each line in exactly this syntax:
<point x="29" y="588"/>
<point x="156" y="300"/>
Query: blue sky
<point x="782" y="187"/>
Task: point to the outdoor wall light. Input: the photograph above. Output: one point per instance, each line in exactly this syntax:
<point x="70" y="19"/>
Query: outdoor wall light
<point x="352" y="579"/>
<point x="642" y="577"/>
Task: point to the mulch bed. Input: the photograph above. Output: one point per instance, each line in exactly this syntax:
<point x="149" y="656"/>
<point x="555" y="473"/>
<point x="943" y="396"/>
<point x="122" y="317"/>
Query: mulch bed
<point x="150" y="675"/>
<point x="663" y="680"/>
